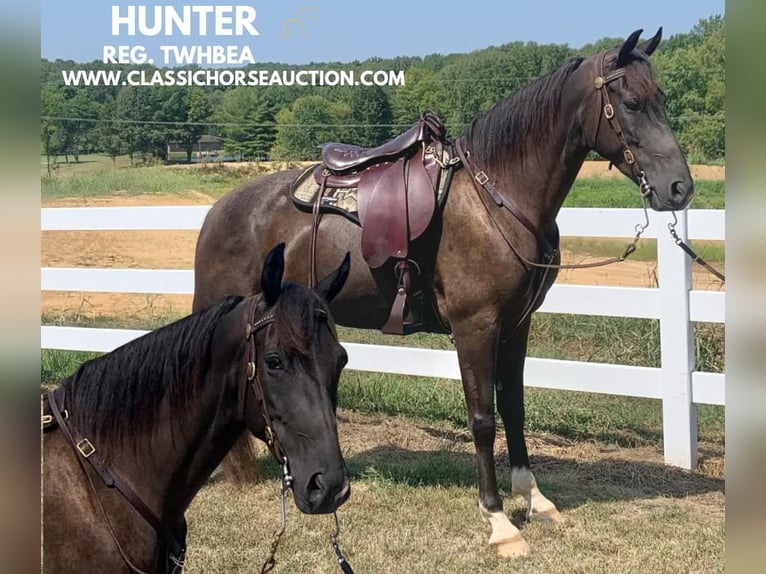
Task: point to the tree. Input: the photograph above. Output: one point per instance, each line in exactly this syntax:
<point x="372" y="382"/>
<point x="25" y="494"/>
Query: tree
<point x="422" y="90"/>
<point x="247" y="123"/>
<point x="109" y="132"/>
<point x="140" y="110"/>
<point x="309" y="122"/>
<point x="51" y="109"/>
<point x="197" y="111"/>
<point x="79" y="126"/>
<point x="371" y="115"/>
<point x="692" y="74"/>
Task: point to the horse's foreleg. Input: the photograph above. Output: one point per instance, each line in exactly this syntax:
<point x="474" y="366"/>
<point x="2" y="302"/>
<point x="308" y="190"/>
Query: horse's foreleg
<point x="510" y="403"/>
<point x="477" y="358"/>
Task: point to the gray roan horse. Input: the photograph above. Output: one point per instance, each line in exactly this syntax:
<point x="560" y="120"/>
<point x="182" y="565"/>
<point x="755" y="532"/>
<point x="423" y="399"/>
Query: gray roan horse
<point x="474" y="267"/>
<point x="133" y="435"/>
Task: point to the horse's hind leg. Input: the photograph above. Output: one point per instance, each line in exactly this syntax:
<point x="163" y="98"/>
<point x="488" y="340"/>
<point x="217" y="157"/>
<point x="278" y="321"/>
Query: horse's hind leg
<point x="476" y="356"/>
<point x="510" y="403"/>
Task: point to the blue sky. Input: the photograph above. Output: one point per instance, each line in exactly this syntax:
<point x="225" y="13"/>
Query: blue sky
<point x="346" y="31"/>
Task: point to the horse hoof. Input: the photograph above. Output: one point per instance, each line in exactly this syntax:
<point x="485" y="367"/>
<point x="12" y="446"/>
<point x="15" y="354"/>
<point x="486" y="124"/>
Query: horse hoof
<point x="551" y="516"/>
<point x="516" y="547"/>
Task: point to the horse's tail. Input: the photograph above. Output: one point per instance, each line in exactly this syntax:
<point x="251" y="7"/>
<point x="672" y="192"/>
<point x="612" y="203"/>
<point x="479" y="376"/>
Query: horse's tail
<point x="240" y="466"/>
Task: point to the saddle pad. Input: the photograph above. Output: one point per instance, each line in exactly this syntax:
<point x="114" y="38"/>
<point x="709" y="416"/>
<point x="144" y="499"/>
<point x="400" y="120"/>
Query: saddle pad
<point x="340" y="201"/>
<point x="343" y="201"/>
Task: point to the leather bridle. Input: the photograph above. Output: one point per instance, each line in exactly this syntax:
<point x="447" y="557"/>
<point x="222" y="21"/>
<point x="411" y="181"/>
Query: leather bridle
<point x="600" y="83"/>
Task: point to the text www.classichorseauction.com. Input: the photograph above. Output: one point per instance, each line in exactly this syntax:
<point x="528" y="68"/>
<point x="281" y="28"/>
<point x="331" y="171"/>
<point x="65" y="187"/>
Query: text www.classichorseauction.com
<point x="250" y="78"/>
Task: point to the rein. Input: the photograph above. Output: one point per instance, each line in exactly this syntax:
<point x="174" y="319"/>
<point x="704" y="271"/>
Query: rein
<point x="691" y="253"/>
<point x="482" y="182"/>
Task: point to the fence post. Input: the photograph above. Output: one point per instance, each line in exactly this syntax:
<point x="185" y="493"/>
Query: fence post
<point x="679" y="414"/>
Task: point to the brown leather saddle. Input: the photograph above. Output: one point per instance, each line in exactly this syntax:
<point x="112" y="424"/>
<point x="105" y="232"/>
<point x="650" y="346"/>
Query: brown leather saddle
<point x="396" y="187"/>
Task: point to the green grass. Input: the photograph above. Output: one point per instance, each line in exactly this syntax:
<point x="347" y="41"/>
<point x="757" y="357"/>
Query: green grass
<point x="619" y="192"/>
<point x="211" y="180"/>
<point x="87" y="163"/>
<point x="626" y="421"/>
<point x="413" y="509"/>
<point x="646" y="250"/>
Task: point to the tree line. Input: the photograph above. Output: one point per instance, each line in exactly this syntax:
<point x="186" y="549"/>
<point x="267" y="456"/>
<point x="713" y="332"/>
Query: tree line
<point x="289" y="122"/>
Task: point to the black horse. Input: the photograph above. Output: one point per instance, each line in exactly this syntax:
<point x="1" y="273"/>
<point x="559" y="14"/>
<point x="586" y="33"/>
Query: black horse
<point x="132" y="436"/>
<point x="518" y="161"/>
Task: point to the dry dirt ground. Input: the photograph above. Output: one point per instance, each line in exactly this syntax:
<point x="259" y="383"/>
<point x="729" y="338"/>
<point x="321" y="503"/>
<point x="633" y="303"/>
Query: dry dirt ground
<point x="413" y="509"/>
<point x="175" y="250"/>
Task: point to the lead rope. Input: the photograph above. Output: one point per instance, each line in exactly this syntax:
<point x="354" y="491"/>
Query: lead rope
<point x="287" y="483"/>
<point x="344" y="565"/>
<point x="690" y="252"/>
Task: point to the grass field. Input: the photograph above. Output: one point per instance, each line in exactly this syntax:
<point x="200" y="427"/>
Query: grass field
<point x="95" y="176"/>
<point x="414" y="493"/>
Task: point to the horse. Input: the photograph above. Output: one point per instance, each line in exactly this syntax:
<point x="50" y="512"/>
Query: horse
<point x="490" y="253"/>
<point x="133" y="435"/>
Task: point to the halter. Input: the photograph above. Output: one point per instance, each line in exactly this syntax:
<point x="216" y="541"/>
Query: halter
<point x="275" y="447"/>
<point x="600" y="83"/>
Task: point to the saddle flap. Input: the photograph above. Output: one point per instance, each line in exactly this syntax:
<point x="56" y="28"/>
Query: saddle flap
<point x="383" y="212"/>
<point x="421" y="197"/>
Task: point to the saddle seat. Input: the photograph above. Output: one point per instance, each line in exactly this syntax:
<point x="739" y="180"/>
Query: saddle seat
<point x="340" y="157"/>
<point x="396" y="187"/>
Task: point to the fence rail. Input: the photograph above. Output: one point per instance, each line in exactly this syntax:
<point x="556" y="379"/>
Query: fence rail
<point x="674" y="303"/>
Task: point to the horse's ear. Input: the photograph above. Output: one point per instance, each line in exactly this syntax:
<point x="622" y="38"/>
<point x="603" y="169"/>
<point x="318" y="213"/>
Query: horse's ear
<point x="627" y="48"/>
<point x="271" y="276"/>
<point x="331" y="285"/>
<point x="649" y="46"/>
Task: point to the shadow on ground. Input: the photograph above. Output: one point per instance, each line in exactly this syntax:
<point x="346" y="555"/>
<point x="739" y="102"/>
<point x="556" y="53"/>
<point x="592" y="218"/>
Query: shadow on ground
<point x="567" y="481"/>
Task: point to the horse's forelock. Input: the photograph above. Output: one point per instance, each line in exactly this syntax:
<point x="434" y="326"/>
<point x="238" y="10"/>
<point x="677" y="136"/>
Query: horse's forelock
<point x="295" y="318"/>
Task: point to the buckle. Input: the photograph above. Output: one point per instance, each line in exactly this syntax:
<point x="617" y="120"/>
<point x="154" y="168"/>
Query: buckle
<point x="86" y="448"/>
<point x="481" y="177"/>
<point x="608" y="111"/>
<point x="629" y="157"/>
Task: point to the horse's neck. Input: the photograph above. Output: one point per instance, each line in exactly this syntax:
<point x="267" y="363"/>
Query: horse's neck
<point x="539" y="180"/>
<point x="180" y="454"/>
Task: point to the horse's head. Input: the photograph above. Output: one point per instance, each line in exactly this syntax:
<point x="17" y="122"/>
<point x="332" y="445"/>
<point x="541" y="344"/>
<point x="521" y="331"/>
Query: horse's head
<point x="299" y="361"/>
<point x="632" y="129"/>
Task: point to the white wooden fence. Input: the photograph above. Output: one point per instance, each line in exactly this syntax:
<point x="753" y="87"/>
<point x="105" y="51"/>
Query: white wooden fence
<point x="676" y="382"/>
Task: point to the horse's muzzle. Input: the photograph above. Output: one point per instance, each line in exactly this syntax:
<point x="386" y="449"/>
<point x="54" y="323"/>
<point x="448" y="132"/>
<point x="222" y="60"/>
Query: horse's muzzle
<point x="324" y="495"/>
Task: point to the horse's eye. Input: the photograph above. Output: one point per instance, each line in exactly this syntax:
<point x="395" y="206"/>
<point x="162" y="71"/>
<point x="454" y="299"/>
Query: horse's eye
<point x="274" y="362"/>
<point x="633" y="104"/>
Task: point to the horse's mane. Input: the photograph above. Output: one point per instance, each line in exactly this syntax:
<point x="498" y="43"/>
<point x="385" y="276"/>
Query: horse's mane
<point x="519" y="121"/>
<point x="113" y="395"/>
